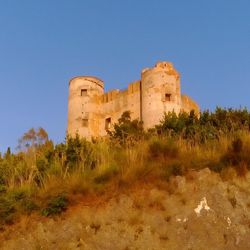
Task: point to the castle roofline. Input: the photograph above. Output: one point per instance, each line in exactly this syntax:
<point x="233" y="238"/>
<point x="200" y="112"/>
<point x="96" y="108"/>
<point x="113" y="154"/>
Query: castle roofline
<point x="89" y="78"/>
<point x="159" y="66"/>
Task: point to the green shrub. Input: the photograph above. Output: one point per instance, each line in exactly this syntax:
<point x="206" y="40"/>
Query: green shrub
<point x="179" y="143"/>
<point x="55" y="205"/>
<point x="17" y="194"/>
<point x="217" y="166"/>
<point x="7" y="210"/>
<point x="234" y="155"/>
<point x="209" y="126"/>
<point x="127" y="131"/>
<point x="237" y="145"/>
<point x="237" y="156"/>
<point x="106" y="175"/>
<point x="28" y="205"/>
<point x="163" y="148"/>
<point x="176" y="168"/>
<point x="41" y="164"/>
<point x="80" y="153"/>
<point x="3" y="189"/>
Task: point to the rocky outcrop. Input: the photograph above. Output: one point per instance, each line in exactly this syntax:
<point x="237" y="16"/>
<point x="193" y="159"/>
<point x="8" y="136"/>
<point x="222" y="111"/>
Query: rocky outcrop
<point x="199" y="211"/>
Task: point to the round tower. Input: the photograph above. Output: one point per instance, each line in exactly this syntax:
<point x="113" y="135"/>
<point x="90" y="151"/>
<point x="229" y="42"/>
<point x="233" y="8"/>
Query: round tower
<point x="83" y="106"/>
<point x="160" y="90"/>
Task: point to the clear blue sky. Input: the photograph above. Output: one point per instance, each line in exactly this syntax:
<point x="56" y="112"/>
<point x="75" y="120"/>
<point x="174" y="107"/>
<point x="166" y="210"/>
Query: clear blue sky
<point x="45" y="43"/>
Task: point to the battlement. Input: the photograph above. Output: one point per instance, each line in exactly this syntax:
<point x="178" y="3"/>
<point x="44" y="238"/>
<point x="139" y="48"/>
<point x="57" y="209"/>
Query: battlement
<point x="110" y="95"/>
<point x="91" y="112"/>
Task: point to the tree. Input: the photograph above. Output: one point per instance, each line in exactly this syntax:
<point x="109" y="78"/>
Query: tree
<point x="32" y="138"/>
<point x="126" y="129"/>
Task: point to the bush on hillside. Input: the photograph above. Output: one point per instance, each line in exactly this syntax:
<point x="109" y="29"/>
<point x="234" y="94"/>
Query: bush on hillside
<point x="56" y="205"/>
<point x="163" y="148"/>
<point x="127" y="131"/>
<point x="219" y="140"/>
<point x="209" y="126"/>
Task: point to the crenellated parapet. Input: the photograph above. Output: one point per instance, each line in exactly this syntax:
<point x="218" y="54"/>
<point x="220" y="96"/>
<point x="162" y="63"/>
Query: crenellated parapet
<point x="91" y="112"/>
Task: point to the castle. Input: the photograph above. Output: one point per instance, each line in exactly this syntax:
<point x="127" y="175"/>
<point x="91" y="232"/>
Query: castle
<point x="91" y="112"/>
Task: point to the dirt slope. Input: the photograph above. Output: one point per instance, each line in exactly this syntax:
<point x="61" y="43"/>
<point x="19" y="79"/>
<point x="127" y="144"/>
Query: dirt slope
<point x="199" y="212"/>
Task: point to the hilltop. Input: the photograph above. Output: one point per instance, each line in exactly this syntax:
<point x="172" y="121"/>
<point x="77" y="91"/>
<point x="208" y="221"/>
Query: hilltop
<point x="182" y="184"/>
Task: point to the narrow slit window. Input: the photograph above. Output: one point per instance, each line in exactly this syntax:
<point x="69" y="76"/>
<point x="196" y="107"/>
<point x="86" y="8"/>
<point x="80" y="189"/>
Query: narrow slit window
<point x="168" y="97"/>
<point x="108" y="123"/>
<point x="84" y="92"/>
<point x="85" y="122"/>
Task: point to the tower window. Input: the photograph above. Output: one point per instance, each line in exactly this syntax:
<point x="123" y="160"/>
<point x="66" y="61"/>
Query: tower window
<point x="108" y="123"/>
<point x="168" y="97"/>
<point x="85" y="122"/>
<point x="84" y="92"/>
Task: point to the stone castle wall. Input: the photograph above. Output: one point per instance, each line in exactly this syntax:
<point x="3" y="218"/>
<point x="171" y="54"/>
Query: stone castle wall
<point x="91" y="112"/>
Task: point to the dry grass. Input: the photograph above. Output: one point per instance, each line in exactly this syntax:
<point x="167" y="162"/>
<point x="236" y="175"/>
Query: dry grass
<point x="153" y="160"/>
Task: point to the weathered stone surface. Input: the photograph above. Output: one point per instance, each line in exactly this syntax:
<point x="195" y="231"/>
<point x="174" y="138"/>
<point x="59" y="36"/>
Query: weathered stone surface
<point x="202" y="213"/>
<point x="91" y="111"/>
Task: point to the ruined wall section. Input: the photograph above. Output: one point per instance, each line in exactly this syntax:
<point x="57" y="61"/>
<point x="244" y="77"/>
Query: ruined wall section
<point x="189" y="104"/>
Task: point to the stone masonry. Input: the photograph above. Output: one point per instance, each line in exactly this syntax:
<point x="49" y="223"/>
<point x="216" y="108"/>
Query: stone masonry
<point x="91" y="112"/>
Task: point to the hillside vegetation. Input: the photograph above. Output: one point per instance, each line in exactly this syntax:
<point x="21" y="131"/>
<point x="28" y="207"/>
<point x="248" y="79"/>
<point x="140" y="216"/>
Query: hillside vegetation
<point x="45" y="179"/>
